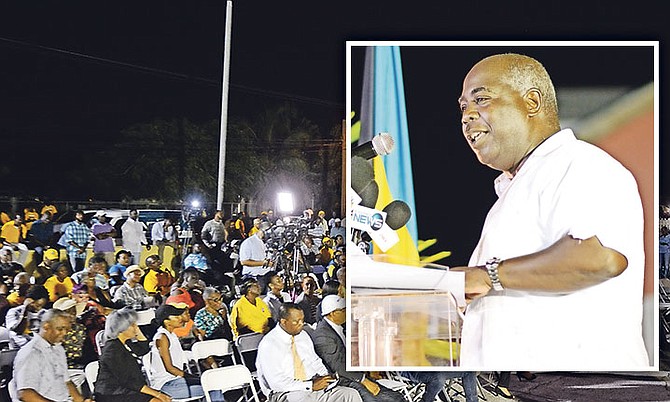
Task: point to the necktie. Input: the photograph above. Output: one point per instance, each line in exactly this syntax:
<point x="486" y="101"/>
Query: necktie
<point x="298" y="367"/>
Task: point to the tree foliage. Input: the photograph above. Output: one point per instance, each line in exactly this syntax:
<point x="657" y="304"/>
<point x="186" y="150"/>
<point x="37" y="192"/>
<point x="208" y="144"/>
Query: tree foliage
<point x="172" y="160"/>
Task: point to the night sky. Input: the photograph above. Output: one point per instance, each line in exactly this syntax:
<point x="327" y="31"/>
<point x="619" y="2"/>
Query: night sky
<point x="74" y="73"/>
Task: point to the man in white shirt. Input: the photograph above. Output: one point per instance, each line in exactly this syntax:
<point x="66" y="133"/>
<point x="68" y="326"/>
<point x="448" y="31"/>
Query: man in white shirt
<point x="163" y="234"/>
<point x="556" y="279"/>
<point x="40" y="367"/>
<point x="133" y="235"/>
<point x="289" y="370"/>
<point x="253" y="258"/>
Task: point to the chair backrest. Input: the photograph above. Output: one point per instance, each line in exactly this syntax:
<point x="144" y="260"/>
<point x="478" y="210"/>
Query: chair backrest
<point x="212" y="347"/>
<point x="144" y="317"/>
<point x="247" y="345"/>
<point x="248" y="342"/>
<point x="91" y="372"/>
<point x="7" y="357"/>
<point x="226" y="379"/>
<point x="4" y="334"/>
<point x="99" y="341"/>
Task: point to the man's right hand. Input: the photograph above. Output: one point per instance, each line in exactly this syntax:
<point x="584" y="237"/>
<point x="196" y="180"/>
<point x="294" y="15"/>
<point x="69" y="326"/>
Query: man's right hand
<point x="319" y="383"/>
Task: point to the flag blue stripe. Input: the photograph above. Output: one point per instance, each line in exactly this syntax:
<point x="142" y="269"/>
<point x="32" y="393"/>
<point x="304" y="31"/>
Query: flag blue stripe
<point x="390" y="116"/>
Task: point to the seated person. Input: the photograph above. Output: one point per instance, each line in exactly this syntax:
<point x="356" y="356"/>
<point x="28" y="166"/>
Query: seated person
<point x="8" y="267"/>
<point x="79" y="350"/>
<point x="120" y="376"/>
<point x="329" y="344"/>
<point x="188" y="333"/>
<point x="117" y="272"/>
<point x="43" y="269"/>
<point x="90" y="313"/>
<point x="158" y="280"/>
<point x="189" y="283"/>
<point x="132" y="293"/>
<point x="24" y="321"/>
<point x="339" y="260"/>
<point x="20" y="289"/>
<point x="331" y="287"/>
<point x="309" y="250"/>
<point x="308" y="300"/>
<point x="250" y="313"/>
<point x="168" y="361"/>
<point x="59" y="284"/>
<point x="197" y="259"/>
<point x="288" y="367"/>
<point x="40" y="367"/>
<point x="326" y="252"/>
<point x="213" y="318"/>
<point x="97" y="268"/>
<point x="276" y="296"/>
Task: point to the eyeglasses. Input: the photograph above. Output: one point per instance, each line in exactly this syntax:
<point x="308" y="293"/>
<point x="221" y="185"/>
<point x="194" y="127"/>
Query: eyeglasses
<point x="216" y="300"/>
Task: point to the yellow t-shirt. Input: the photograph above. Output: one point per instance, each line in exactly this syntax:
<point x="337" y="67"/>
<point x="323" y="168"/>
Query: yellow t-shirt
<point x="58" y="289"/>
<point x="245" y="314"/>
<point x="11" y="233"/>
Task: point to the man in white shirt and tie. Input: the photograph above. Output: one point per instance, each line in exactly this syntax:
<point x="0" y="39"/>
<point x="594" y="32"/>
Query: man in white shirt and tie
<point x="289" y="370"/>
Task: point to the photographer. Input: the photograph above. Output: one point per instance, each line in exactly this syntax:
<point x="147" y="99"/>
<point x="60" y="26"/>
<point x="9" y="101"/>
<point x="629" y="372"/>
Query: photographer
<point x="253" y="258"/>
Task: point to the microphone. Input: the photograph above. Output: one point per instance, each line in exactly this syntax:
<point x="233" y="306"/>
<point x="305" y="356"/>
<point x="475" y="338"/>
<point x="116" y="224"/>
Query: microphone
<point x="397" y="214"/>
<point x="381" y="144"/>
<point x="362" y="173"/>
<point x="363" y="181"/>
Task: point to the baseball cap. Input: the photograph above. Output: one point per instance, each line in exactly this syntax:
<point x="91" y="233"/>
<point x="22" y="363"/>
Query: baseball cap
<point x="52" y="254"/>
<point x="101" y="213"/>
<point x="331" y="303"/>
<point x="166" y="310"/>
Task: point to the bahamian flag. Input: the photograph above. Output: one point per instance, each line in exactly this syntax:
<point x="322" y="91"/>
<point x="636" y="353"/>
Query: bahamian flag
<point x="383" y="110"/>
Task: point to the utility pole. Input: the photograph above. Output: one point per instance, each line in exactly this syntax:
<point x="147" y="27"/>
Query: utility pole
<point x="224" y="104"/>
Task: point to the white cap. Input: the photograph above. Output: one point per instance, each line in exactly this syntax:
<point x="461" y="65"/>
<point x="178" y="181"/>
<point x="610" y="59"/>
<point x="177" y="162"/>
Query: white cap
<point x="331" y="303"/>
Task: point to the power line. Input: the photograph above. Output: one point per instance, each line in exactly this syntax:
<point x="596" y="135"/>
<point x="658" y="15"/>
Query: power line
<point x="174" y="75"/>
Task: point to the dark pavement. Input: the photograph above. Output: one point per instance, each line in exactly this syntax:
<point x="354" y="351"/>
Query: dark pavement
<point x="591" y="387"/>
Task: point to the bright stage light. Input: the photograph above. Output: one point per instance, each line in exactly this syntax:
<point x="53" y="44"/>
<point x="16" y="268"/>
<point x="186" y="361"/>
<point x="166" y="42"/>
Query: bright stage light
<point x="195" y="204"/>
<point x="285" y="201"/>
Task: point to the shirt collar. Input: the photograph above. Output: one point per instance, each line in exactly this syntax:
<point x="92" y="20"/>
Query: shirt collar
<point x="546" y="147"/>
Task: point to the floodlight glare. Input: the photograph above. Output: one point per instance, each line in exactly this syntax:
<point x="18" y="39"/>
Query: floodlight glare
<point x="285" y="201"/>
<point x="195" y="204"/>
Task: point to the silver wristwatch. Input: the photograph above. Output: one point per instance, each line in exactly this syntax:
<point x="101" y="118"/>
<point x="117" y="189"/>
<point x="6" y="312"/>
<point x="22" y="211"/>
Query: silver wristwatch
<point x="492" y="269"/>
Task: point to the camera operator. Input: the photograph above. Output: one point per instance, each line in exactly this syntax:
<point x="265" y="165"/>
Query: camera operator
<point x="213" y="236"/>
<point x="253" y="258"/>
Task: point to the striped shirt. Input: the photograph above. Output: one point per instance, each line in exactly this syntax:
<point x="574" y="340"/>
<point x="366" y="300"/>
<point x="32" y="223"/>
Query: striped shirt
<point x="131" y="296"/>
<point x="78" y="233"/>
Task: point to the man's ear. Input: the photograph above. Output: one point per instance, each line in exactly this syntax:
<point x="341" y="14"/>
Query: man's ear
<point x="533" y="99"/>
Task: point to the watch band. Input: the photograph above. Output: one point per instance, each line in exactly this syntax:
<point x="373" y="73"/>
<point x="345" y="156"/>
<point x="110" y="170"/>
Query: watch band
<point x="492" y="269"/>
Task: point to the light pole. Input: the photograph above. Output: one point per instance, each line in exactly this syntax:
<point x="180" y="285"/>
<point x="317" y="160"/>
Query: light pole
<point x="224" y="103"/>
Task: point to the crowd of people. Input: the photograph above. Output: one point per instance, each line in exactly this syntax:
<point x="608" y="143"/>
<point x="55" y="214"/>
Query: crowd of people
<point x="73" y="308"/>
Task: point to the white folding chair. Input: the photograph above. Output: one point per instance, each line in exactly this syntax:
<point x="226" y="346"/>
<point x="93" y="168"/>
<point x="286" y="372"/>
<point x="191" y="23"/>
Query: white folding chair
<point x="227" y="379"/>
<point x="213" y="347"/>
<point x="144" y="317"/>
<point x="99" y="341"/>
<point x="146" y="362"/>
<point x="91" y="372"/>
<point x="248" y="343"/>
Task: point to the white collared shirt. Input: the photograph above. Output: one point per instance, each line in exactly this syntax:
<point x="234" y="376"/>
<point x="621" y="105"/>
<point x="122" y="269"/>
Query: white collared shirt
<point x="275" y="362"/>
<point x="566" y="187"/>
